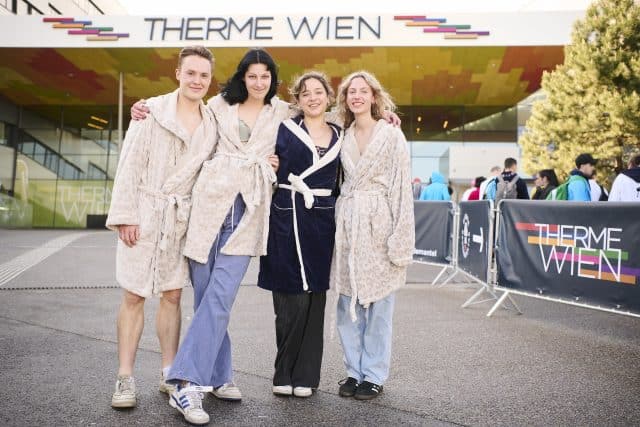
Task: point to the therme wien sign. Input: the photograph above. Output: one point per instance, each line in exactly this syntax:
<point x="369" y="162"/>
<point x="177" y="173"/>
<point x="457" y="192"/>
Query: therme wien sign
<point x="417" y="28"/>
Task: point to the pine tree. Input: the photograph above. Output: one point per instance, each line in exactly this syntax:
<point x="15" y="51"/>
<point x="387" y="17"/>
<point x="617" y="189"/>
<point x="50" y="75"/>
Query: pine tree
<point x="592" y="102"/>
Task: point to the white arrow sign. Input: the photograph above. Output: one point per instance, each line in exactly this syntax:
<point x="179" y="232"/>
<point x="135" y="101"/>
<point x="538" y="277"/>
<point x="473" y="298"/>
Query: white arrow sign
<point x="478" y="239"/>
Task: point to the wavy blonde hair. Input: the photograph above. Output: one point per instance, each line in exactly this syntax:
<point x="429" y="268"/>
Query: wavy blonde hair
<point x="299" y="85"/>
<point x="383" y="101"/>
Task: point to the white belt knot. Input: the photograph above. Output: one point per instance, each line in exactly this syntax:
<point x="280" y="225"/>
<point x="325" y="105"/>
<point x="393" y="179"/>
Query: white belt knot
<point x="176" y="208"/>
<point x="301" y="187"/>
<point x="262" y="169"/>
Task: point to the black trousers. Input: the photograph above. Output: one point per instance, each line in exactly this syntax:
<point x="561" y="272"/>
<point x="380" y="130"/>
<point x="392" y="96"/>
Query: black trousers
<point x="299" y="336"/>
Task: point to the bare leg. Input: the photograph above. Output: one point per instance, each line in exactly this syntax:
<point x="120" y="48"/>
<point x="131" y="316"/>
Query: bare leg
<point x="130" y="324"/>
<point x="168" y="325"/>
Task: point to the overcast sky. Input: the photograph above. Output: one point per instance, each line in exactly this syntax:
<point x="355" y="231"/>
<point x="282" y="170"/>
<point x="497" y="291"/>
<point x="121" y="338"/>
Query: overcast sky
<point x="255" y="7"/>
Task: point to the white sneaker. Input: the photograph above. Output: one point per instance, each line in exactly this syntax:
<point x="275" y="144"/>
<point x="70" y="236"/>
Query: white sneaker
<point x="188" y="400"/>
<point x="283" y="390"/>
<point x="124" y="395"/>
<point x="227" y="391"/>
<point x="165" y="387"/>
<point x="302" y="391"/>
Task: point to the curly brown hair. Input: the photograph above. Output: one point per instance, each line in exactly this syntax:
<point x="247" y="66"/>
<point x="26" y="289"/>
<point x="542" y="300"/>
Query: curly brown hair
<point x="299" y="85"/>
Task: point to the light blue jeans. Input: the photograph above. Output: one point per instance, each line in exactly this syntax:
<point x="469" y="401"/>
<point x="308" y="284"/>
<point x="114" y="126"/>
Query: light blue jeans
<point x="367" y="341"/>
<point x="204" y="356"/>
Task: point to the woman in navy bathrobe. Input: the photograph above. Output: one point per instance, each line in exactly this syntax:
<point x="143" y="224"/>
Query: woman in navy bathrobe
<point x="301" y="236"/>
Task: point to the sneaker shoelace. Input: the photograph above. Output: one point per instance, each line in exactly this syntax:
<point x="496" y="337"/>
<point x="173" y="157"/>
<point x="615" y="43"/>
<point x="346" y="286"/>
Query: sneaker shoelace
<point x="195" y="394"/>
<point x="195" y="399"/>
<point x="125" y="385"/>
<point x="226" y="386"/>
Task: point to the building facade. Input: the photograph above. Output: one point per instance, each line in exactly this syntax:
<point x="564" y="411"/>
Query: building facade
<point x="66" y="86"/>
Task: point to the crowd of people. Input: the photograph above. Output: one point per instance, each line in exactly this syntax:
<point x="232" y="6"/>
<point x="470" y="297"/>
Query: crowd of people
<point x="323" y="199"/>
<point x="505" y="183"/>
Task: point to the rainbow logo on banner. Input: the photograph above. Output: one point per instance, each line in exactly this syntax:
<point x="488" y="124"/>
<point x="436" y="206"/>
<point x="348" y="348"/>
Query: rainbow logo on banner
<point x="581" y="251"/>
<point x="79" y="28"/>
<point x="439" y="25"/>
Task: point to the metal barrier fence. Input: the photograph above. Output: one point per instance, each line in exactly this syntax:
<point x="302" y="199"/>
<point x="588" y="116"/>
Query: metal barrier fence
<point x="435" y="235"/>
<point x="578" y="253"/>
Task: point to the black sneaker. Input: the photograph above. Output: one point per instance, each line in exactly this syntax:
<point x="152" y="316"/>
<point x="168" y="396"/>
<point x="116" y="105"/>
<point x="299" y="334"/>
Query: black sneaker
<point x="348" y="387"/>
<point x="367" y="390"/>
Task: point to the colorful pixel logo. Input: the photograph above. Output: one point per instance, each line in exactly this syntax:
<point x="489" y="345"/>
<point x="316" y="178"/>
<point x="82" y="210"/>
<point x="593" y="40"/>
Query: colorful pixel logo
<point x="78" y="28"/>
<point x="581" y="251"/>
<point x="439" y="25"/>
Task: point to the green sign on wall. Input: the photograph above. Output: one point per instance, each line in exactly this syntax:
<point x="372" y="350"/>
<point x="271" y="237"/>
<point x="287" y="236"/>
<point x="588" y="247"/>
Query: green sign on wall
<point x="66" y="203"/>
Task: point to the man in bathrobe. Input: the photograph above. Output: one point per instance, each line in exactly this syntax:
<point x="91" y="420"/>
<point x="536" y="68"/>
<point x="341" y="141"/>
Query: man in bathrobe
<point x="151" y="201"/>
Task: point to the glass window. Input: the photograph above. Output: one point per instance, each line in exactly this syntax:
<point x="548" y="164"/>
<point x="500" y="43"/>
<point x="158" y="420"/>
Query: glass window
<point x="39" y="153"/>
<point x="27" y="148"/>
<point x="94" y="172"/>
<point x="3" y="134"/>
<point x="491" y="124"/>
<point x="432" y="123"/>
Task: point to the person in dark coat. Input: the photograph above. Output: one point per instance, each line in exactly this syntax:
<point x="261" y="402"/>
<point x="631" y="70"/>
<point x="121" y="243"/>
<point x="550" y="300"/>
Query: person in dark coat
<point x="509" y="174"/>
<point x="546" y="181"/>
<point x="301" y="236"/>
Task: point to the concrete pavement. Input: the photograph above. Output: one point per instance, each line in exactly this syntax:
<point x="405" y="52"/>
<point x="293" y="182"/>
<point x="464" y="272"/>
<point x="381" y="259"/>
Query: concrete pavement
<point x="553" y="365"/>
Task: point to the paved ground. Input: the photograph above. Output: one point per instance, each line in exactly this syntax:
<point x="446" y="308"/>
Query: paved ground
<point x="553" y="365"/>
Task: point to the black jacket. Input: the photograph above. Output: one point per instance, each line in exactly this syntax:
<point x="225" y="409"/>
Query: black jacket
<point x="521" y="187"/>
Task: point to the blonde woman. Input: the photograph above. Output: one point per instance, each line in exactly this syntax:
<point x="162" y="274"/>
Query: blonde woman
<point x="374" y="233"/>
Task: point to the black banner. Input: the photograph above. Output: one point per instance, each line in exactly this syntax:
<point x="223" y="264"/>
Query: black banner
<point x="585" y="252"/>
<point x="474" y="238"/>
<point x="434" y="226"/>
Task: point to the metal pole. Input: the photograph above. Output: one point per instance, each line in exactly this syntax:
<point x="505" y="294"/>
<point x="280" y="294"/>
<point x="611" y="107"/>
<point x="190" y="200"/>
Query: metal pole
<point x="498" y="303"/>
<point x="454" y="235"/>
<point x="55" y="193"/>
<point x="494" y="262"/>
<point x="444" y="268"/>
<point x="563" y="301"/>
<point x="492" y="240"/>
<point x="105" y="205"/>
<point x="120" y="109"/>
<point x="454" y="251"/>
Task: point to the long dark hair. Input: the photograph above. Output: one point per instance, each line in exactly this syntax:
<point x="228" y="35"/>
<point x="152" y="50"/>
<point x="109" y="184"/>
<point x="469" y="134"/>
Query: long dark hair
<point x="550" y="174"/>
<point x="235" y="90"/>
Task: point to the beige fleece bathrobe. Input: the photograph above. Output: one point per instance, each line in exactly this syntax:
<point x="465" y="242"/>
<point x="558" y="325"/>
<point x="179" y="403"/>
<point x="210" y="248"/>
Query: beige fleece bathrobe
<point x="375" y="232"/>
<point x="158" y="167"/>
<point x="236" y="168"/>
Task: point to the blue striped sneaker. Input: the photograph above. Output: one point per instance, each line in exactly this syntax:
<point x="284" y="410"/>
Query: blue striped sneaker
<point x="188" y="400"/>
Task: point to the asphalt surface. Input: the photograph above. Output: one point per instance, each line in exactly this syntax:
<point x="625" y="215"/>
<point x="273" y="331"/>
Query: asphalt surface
<point x="552" y="365"/>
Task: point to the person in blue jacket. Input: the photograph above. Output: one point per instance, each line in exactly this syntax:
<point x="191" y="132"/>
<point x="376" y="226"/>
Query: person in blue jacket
<point x="301" y="236"/>
<point x="579" y="189"/>
<point x="437" y="190"/>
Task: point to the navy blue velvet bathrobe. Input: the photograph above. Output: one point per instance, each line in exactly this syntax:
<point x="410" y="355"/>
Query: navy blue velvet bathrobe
<point x="280" y="269"/>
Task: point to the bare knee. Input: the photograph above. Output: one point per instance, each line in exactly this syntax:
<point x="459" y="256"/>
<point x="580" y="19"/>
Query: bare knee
<point x="131" y="300"/>
<point x="172" y="297"/>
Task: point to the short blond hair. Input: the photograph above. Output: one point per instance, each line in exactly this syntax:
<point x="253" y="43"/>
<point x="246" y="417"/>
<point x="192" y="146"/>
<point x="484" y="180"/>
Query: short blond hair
<point x="383" y="101"/>
<point x="200" y="51"/>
